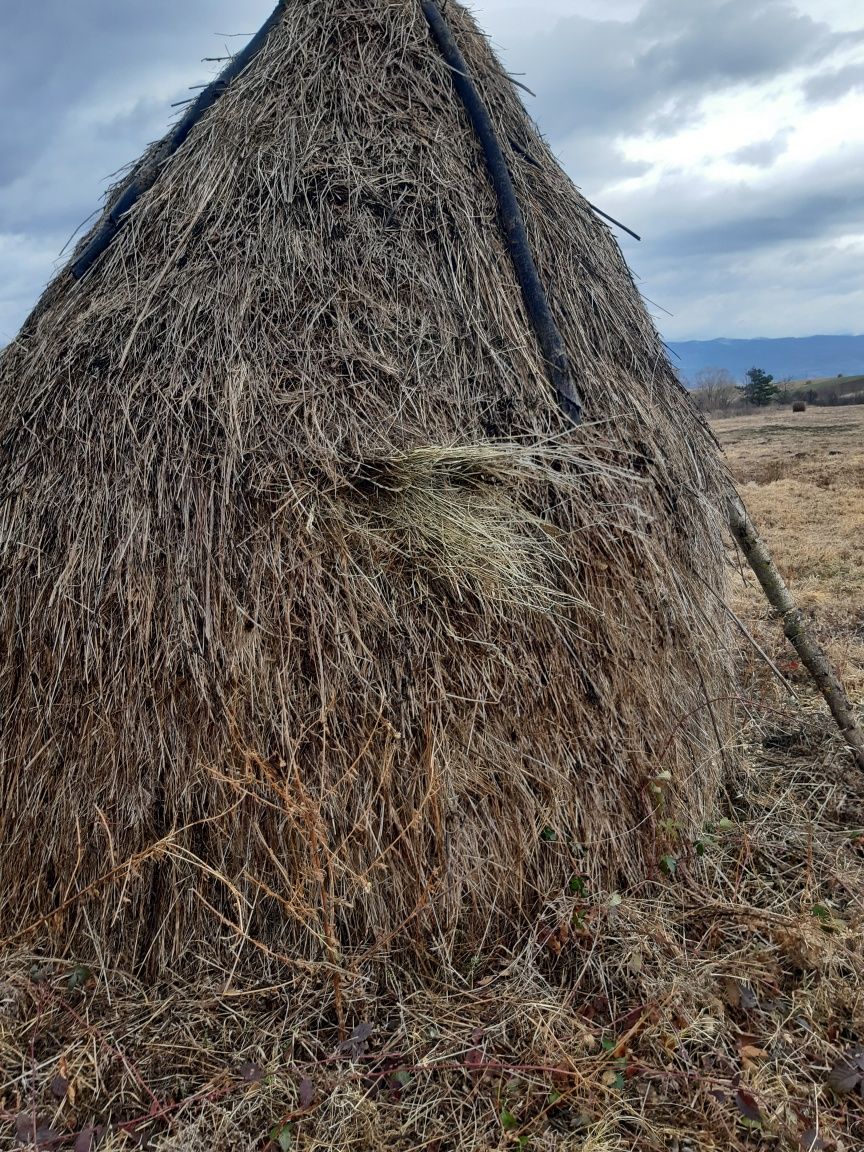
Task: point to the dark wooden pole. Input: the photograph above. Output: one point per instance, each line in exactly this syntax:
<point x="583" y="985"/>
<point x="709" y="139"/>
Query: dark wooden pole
<point x="794" y="626"/>
<point x="510" y="215"/>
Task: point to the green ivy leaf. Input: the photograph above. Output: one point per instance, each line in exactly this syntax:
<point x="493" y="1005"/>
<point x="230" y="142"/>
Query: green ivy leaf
<point x="282" y="1137"/>
<point x="508" y="1121"/>
<point x="79" y="977"/>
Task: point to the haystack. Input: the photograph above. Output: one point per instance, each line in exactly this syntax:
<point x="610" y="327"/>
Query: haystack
<point x="321" y="624"/>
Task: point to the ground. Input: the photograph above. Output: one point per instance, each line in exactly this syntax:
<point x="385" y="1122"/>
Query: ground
<point x="802" y="478"/>
<point x="719" y="1008"/>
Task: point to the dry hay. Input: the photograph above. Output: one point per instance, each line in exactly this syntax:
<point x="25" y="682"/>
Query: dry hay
<point x="321" y="634"/>
<point x="719" y="1009"/>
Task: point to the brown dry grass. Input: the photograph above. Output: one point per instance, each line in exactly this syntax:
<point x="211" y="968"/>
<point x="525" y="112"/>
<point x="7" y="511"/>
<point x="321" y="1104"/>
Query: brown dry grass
<point x="703" y="1007"/>
<point x="802" y="477"/>
<point x="673" y="1017"/>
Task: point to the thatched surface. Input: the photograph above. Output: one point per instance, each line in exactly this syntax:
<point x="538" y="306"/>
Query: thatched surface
<point x="318" y="625"/>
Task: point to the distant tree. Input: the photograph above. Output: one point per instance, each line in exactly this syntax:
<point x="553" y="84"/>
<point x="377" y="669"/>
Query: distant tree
<point x="714" y="389"/>
<point x="760" y="388"/>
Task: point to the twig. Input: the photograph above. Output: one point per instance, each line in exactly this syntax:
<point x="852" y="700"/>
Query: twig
<point x="617" y="223"/>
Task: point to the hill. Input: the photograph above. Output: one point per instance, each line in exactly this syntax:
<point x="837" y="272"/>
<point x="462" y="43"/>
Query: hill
<point x="801" y="358"/>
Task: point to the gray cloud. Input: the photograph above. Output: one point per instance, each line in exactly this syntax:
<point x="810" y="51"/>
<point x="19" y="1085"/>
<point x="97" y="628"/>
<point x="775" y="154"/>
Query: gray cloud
<point x="832" y="86"/>
<point x="774" y="259"/>
<point x="763" y="153"/>
<point x="602" y="76"/>
<point x="91" y="84"/>
<point x="599" y="82"/>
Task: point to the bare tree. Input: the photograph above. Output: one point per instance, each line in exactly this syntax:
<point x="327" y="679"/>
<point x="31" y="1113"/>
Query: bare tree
<point x="714" y="389"/>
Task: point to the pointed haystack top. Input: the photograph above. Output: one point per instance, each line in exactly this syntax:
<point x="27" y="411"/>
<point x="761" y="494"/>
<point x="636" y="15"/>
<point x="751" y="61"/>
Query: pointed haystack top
<point x="320" y="624"/>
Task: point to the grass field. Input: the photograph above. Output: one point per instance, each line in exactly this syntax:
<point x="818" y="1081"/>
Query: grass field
<point x="802" y="477"/>
<point x="719" y="1007"/>
<point x="842" y="385"/>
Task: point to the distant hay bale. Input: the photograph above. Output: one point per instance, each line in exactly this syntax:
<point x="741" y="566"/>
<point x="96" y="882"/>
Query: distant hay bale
<point x="320" y="627"/>
<point x="799" y="406"/>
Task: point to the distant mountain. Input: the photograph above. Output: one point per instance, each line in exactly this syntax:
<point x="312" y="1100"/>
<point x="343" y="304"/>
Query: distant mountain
<point x="801" y="358"/>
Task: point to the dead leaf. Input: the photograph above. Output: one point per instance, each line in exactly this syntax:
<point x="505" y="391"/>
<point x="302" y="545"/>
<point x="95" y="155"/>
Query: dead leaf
<point x="59" y="1087"/>
<point x="732" y="992"/>
<point x="306" y="1093"/>
<point x="356" y="1044"/>
<point x="747" y="1106"/>
<point x="811" y="1141"/>
<point x="80" y="977"/>
<point x="737" y="994"/>
<point x="848" y="1073"/>
<point x="749" y="999"/>
<point x="85" y="1141"/>
<point x="34" y="1131"/>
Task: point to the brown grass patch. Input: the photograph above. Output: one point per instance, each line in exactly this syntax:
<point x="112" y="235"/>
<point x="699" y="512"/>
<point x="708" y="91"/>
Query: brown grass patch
<point x="805" y="489"/>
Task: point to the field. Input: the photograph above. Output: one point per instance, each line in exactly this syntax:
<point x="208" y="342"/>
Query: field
<point x="802" y="477"/>
<point x="823" y="386"/>
<point x="720" y="1008"/>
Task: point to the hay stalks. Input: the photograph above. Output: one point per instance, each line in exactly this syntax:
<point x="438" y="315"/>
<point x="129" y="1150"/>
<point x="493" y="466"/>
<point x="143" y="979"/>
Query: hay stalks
<point x="668" y="1017"/>
<point x="284" y="497"/>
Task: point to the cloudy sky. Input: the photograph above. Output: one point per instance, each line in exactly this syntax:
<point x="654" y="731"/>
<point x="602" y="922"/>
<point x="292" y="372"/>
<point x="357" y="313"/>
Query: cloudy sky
<point x="729" y="133"/>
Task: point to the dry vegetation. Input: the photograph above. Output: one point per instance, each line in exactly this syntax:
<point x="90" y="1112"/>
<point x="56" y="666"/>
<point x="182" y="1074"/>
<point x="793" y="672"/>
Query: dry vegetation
<point x="332" y="730"/>
<point x="802" y="477"/>
<point x="261" y="536"/>
<point x="720" y="1006"/>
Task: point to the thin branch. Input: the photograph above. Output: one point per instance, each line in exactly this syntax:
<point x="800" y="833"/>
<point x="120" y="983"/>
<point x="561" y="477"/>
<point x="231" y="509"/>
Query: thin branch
<point x="794" y="626"/>
<point x="617" y="223"/>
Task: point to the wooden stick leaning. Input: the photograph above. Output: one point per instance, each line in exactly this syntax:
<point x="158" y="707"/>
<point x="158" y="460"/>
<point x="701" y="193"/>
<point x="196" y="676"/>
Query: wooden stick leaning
<point x="794" y="627"/>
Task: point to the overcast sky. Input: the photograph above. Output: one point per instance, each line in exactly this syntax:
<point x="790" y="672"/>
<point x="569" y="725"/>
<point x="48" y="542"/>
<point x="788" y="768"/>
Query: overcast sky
<point x="729" y="133"/>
